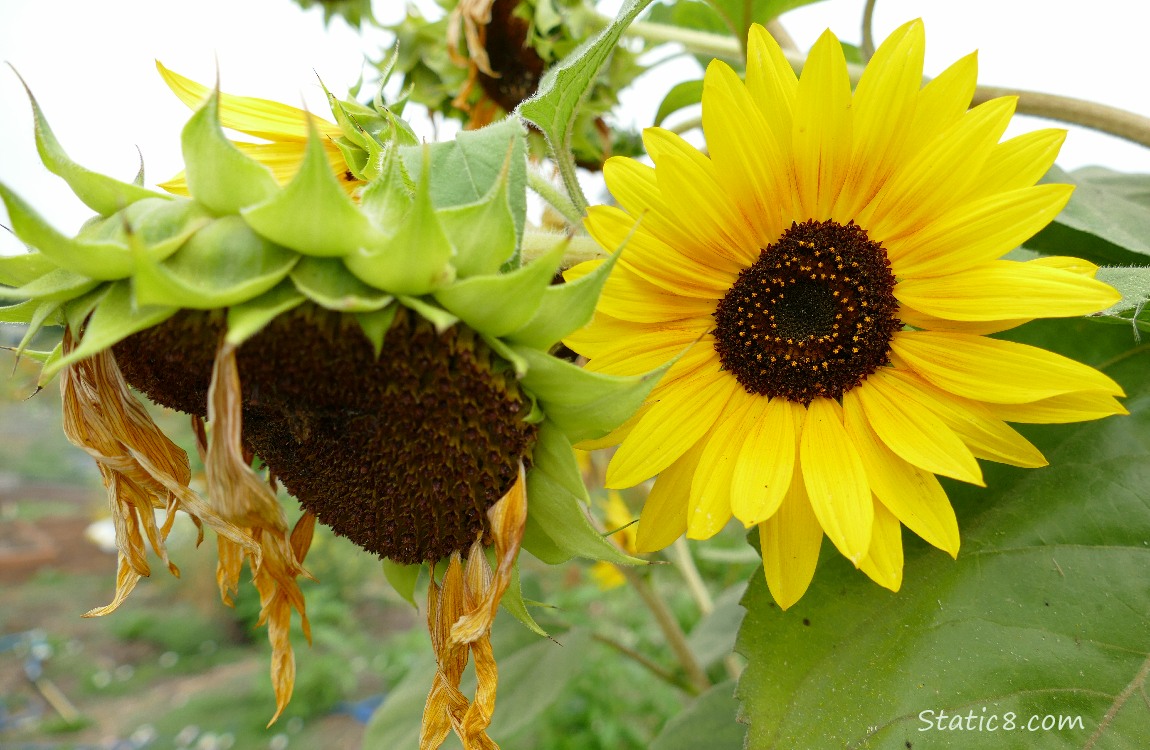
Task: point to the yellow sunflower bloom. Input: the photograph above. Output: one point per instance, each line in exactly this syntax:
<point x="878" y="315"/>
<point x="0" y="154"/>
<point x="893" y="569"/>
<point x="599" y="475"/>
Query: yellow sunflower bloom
<point x="828" y="273"/>
<point x="285" y="127"/>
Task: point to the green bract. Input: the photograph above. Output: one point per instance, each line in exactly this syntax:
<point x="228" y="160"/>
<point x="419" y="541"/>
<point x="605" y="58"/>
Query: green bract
<point x="430" y="242"/>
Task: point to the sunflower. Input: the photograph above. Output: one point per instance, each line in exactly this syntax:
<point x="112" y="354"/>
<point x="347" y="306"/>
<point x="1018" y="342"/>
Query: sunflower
<point x="827" y="277"/>
<point x="386" y="359"/>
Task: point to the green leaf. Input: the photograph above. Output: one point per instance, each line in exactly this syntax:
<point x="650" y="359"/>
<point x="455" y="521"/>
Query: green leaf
<point x="101" y="193"/>
<point x="402" y="578"/>
<point x="1045" y="612"/>
<point x="585" y="405"/>
<point x="437" y="316"/>
<point x="740" y="14"/>
<point x="500" y="303"/>
<point x="709" y="722"/>
<point x="555" y="105"/>
<point x="556" y="501"/>
<point x="219" y="175"/>
<point x="329" y="284"/>
<point x="681" y="95"/>
<point x="463" y="171"/>
<point x="312" y="214"/>
<point x="17" y="270"/>
<point x="1134" y="285"/>
<point x="484" y="234"/>
<point x="115" y="318"/>
<point x="58" y="285"/>
<point x="512" y="601"/>
<point x="564" y="308"/>
<point x="713" y="637"/>
<point x="416" y="259"/>
<point x="376" y="324"/>
<point x="224" y="264"/>
<point x="1107" y="220"/>
<point x="105" y="261"/>
<point x="248" y="318"/>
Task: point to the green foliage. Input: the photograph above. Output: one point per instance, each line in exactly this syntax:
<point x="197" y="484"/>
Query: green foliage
<point x="708" y="722"/>
<point x="555" y="106"/>
<point x="1107" y="220"/>
<point x="1045" y="612"/>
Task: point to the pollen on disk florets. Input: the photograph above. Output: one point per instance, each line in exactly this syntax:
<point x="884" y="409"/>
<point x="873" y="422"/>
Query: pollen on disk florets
<point x="403" y="453"/>
<point x="812" y="317"/>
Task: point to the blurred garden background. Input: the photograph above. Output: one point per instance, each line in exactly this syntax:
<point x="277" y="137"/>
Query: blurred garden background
<point x="173" y="668"/>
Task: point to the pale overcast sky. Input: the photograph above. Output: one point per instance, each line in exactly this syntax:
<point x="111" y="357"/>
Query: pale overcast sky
<point x="90" y="65"/>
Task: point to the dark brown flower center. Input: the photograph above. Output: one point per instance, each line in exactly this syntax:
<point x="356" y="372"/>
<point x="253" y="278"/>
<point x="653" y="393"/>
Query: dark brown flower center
<point x="402" y="453"/>
<point x="812" y="317"/>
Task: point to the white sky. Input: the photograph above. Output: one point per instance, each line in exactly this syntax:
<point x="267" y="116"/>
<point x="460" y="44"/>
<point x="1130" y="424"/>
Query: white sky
<point x="90" y="65"/>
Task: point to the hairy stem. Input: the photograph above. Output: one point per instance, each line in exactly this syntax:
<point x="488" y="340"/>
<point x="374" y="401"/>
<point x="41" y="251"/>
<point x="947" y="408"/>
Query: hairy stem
<point x="868" y="30"/>
<point x="544" y="188"/>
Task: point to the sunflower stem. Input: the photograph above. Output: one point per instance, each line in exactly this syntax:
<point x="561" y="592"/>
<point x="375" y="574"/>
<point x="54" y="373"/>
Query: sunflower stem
<point x="667" y="623"/>
<point x="685" y="563"/>
<point x="580" y="247"/>
<point x="868" y="30"/>
<point x="646" y="662"/>
<point x="546" y="190"/>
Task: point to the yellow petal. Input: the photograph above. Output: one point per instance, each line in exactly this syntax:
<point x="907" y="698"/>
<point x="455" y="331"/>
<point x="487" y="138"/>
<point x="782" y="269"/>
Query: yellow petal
<point x="921" y="320"/>
<point x="664" y="515"/>
<point x="682" y="416"/>
<point x="634" y="185"/>
<point x="884" y="104"/>
<point x="652" y="259"/>
<point x="883" y="561"/>
<point x="1005" y="289"/>
<point x="754" y="165"/>
<point x="1081" y="406"/>
<point x="709" y="504"/>
<point x="772" y="83"/>
<point x="691" y="189"/>
<point x="912" y="431"/>
<point x="976" y="232"/>
<point x="942" y="103"/>
<point x="924" y="188"/>
<point x="262" y="118"/>
<point x="1018" y="162"/>
<point x="790" y="542"/>
<point x="821" y="132"/>
<point x="629" y="297"/>
<point x="912" y="494"/>
<point x="835" y="479"/>
<point x="987" y="436"/>
<point x="766" y="462"/>
<point x="990" y="370"/>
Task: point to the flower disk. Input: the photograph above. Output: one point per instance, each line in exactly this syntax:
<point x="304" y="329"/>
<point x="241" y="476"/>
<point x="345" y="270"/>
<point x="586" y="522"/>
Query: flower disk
<point x="401" y="453"/>
<point x="812" y="317"/>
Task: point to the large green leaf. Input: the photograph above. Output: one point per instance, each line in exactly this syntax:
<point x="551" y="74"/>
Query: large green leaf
<point x="1046" y="612"/>
<point x="1107" y="220"/>
<point x="709" y="722"/>
<point x="464" y="171"/>
<point x="1134" y="284"/>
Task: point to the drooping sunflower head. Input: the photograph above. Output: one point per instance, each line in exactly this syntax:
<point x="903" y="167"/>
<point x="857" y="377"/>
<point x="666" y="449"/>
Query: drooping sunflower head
<point x="830" y="271"/>
<point x="385" y="356"/>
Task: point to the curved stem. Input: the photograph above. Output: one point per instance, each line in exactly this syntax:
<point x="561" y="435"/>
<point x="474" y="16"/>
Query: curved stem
<point x="667" y="623"/>
<point x="646" y="662"/>
<point x="868" y="30"/>
<point x="570" y="174"/>
<point x="1100" y="117"/>
<point x="785" y="40"/>
<point x="544" y="188"/>
<point x="681" y="557"/>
